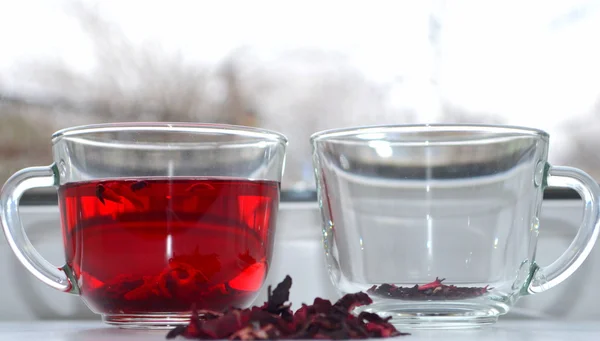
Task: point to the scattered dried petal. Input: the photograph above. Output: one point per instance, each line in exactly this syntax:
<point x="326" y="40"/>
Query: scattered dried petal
<point x="279" y="296"/>
<point x="351" y="301"/>
<point x="275" y="320"/>
<point x="175" y="332"/>
<point x="435" y="290"/>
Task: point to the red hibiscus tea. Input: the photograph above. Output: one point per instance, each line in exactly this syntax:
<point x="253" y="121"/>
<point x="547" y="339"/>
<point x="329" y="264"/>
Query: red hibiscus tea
<point x="162" y="244"/>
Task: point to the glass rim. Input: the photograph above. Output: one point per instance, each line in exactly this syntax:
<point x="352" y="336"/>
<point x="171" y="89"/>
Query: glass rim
<point x="189" y="127"/>
<point x="426" y="127"/>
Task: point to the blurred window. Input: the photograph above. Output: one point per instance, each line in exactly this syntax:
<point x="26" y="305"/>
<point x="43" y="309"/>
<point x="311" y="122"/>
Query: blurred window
<point x="299" y="67"/>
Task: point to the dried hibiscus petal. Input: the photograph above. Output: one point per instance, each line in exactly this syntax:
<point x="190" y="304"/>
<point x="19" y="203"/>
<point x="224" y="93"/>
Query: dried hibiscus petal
<point x="275" y="320"/>
<point x="351" y="301"/>
<point x="435" y="284"/>
<point x="138" y="185"/>
<point x="104" y="193"/>
<point x="150" y="287"/>
<point x="277" y="298"/>
<point x="435" y="290"/>
<point x="377" y="324"/>
<point x="116" y="193"/>
<point x="204" y="265"/>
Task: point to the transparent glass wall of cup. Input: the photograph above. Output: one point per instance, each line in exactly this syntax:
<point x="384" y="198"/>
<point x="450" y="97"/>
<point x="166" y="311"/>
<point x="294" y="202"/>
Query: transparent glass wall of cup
<point x="156" y="217"/>
<point x="402" y="205"/>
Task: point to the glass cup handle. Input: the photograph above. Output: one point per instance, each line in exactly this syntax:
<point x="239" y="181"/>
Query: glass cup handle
<point x="15" y="186"/>
<point x="547" y="277"/>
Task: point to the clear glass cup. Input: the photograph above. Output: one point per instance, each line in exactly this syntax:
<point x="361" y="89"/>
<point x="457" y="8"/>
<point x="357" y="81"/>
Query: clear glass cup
<point x="402" y="205"/>
<point x="156" y="217"/>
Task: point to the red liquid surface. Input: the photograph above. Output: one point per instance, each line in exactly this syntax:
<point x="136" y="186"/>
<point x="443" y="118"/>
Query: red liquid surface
<point x="160" y="245"/>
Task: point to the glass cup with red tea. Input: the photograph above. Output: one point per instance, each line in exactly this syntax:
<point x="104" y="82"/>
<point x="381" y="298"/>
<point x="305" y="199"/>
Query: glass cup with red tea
<point x="439" y="223"/>
<point x="157" y="217"/>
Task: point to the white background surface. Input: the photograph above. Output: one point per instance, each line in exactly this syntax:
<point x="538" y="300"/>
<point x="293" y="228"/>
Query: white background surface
<point x="513" y="331"/>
